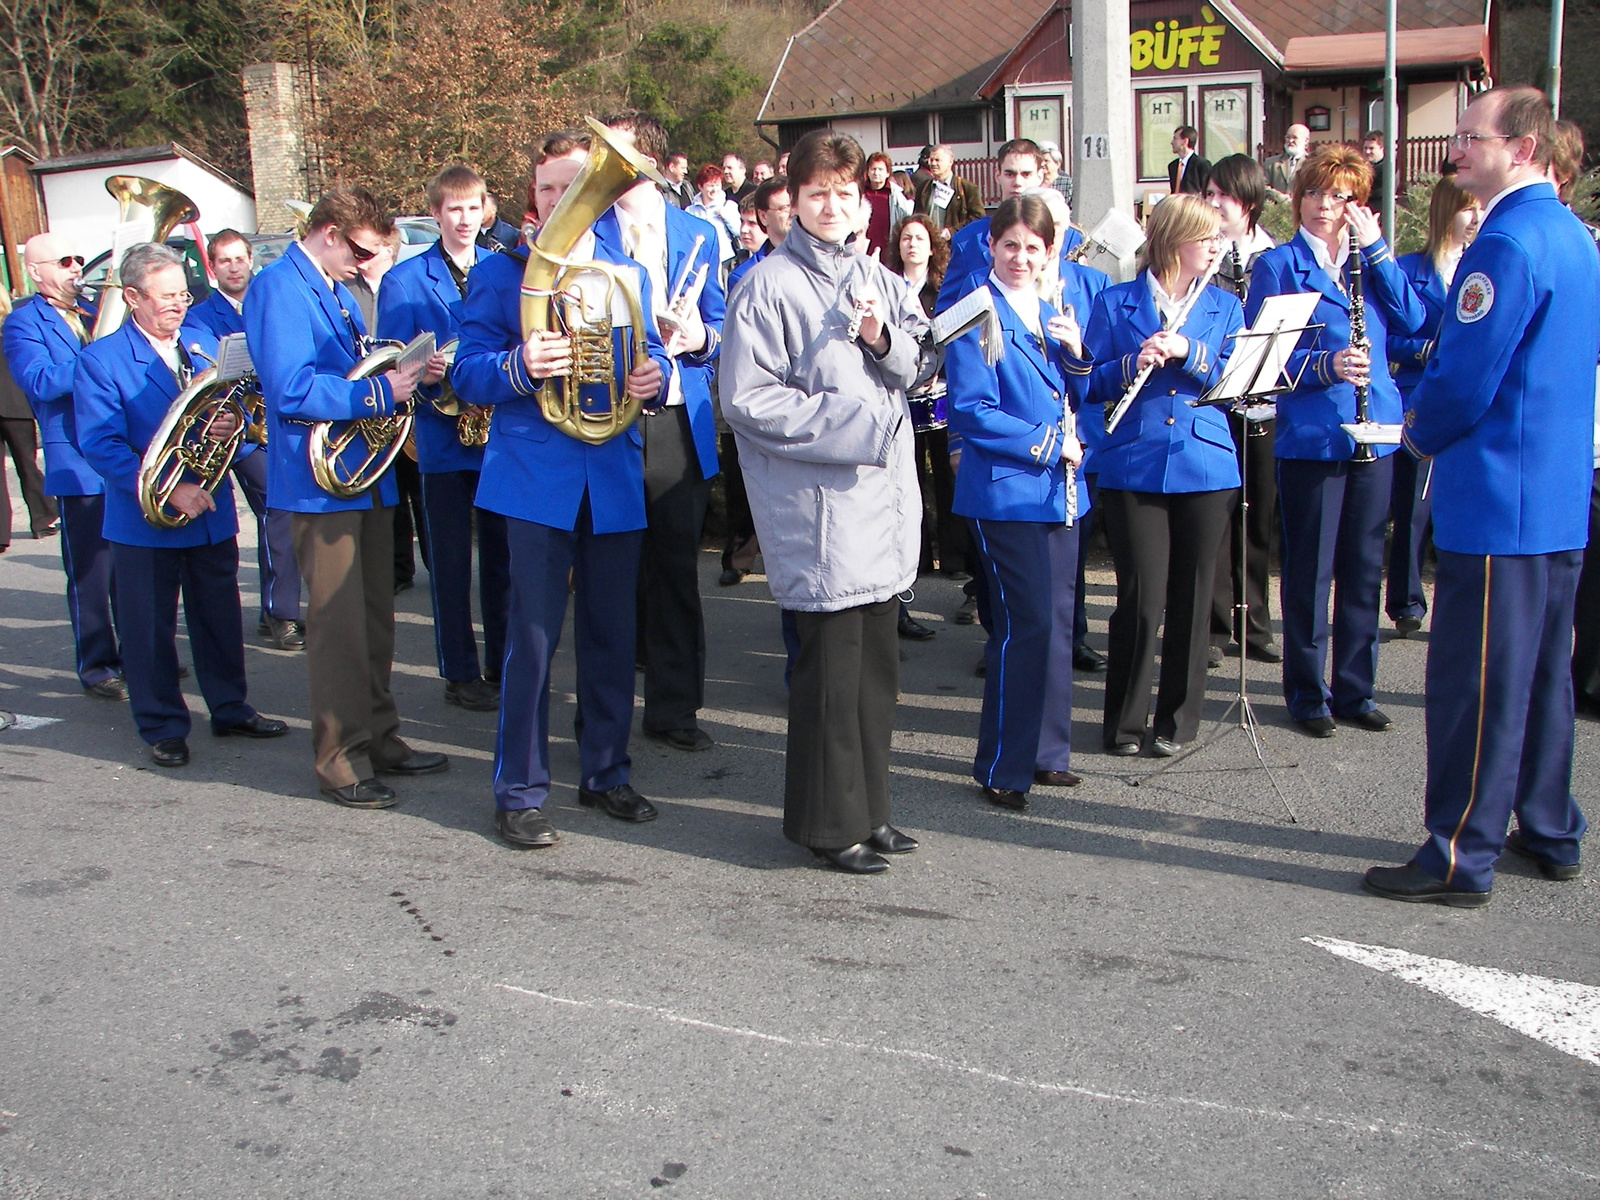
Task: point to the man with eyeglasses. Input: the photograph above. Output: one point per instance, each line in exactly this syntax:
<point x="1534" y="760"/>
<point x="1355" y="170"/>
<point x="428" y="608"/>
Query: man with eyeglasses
<point x="306" y="333"/>
<point x="1506" y="411"/>
<point x="42" y="339"/>
<point x="123" y="387"/>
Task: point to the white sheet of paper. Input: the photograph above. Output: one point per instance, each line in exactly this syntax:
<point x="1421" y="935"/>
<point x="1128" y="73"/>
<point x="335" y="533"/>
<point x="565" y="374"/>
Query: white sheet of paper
<point x="1258" y="357"/>
<point x="233" y="358"/>
<point x="1370" y="433"/>
<point x="419" y="350"/>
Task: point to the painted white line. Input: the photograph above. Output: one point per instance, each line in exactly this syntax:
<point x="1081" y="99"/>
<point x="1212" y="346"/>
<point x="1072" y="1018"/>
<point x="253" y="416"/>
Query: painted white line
<point x="1059" y="1088"/>
<point x="1556" y="1012"/>
<point x="26" y="722"/>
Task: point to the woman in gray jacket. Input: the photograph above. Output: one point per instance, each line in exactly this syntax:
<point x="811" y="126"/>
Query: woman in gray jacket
<point x="819" y="346"/>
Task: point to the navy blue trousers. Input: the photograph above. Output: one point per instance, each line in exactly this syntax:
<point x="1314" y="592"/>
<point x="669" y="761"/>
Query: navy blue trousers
<point x="605" y="569"/>
<point x="1586" y="615"/>
<point x="447" y="515"/>
<point x="1499" y="703"/>
<point x="279" y="572"/>
<point x="147" y="615"/>
<point x="1412" y="514"/>
<point x="1334" y="518"/>
<point x="1032" y="570"/>
<point x="91" y="589"/>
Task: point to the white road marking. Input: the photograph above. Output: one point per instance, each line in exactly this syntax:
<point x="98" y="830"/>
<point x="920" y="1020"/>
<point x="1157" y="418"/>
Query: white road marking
<point x="1357" y="1125"/>
<point x="1554" y="1011"/>
<point x="26" y="722"/>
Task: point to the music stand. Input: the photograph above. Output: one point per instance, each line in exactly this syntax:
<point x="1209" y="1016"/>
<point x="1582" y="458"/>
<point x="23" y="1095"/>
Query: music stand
<point x="1257" y="368"/>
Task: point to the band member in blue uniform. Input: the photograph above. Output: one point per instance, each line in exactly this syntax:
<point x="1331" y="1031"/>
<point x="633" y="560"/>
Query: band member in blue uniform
<point x="1506" y="414"/>
<point x="306" y="335"/>
<point x="222" y="312"/>
<point x="1335" y="506"/>
<point x="680" y="441"/>
<point x="572" y="507"/>
<point x="124" y="386"/>
<point x="1453" y="217"/>
<point x="1017" y="428"/>
<point x="1167" y="473"/>
<point x="426" y="293"/>
<point x="43" y="337"/>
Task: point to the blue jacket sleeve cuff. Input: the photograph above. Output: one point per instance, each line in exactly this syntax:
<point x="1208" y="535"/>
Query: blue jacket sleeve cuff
<point x="517" y="375"/>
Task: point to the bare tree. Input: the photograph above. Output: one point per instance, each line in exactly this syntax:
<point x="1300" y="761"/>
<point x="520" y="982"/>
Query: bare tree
<point x="44" y="49"/>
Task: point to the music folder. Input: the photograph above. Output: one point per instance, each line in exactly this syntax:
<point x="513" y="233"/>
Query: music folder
<point x="418" y="350"/>
<point x="233" y="358"/>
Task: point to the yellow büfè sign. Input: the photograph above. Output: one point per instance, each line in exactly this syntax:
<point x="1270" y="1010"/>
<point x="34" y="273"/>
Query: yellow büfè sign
<point x="1168" y="46"/>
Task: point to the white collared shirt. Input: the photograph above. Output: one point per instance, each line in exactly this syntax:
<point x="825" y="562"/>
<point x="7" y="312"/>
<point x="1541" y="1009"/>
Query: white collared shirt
<point x="1334" y="265"/>
<point x="1167" y="306"/>
<point x="1023" y="302"/>
<point x="644" y="239"/>
<point x="168" y="350"/>
<point x="238" y="305"/>
<point x="1515" y="187"/>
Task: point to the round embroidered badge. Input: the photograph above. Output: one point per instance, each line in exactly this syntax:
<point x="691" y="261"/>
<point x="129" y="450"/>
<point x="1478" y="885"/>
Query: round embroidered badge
<point x="1475" y="299"/>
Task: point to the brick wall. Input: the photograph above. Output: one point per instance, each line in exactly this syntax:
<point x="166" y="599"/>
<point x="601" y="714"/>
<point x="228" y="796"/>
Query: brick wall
<point x="277" y="143"/>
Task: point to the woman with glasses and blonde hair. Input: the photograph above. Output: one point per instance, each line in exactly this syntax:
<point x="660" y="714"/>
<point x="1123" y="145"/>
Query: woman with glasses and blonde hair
<point x="1453" y="217"/>
<point x="1167" y="473"/>
<point x="1334" y="497"/>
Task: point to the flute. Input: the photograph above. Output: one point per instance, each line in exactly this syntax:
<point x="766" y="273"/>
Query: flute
<point x="1171" y="326"/>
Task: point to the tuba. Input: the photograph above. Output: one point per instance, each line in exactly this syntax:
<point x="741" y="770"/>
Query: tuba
<point x="377" y="441"/>
<point x="472" y="422"/>
<point x="186" y="443"/>
<point x="302" y="216"/>
<point x="550" y="302"/>
<point x="167" y="207"/>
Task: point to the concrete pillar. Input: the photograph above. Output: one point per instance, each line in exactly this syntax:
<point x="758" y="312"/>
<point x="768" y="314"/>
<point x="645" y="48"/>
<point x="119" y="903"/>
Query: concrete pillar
<point x="1103" y="156"/>
<point x="277" y="143"/>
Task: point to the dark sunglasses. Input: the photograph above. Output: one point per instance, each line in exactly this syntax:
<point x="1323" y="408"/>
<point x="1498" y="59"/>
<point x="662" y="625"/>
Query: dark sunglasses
<point x="66" y="263"/>
<point x="362" y="254"/>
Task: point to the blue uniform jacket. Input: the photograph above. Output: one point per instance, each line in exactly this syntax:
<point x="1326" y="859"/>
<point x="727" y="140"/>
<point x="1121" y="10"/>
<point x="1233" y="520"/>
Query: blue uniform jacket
<point x="1309" y="417"/>
<point x="1409" y="353"/>
<point x="1163" y="443"/>
<point x="42" y="352"/>
<point x="970" y="255"/>
<point x="1009" y="420"/>
<point x="122" y="391"/>
<point x="743" y="269"/>
<point x="421" y="294"/>
<point x="1505" y="405"/>
<point x="216" y="314"/>
<point x="531" y="470"/>
<point x="302" y="338"/>
<point x="694" y="370"/>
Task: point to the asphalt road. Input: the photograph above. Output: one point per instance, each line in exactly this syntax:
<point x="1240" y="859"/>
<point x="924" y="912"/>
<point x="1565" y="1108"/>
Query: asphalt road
<point x="215" y="984"/>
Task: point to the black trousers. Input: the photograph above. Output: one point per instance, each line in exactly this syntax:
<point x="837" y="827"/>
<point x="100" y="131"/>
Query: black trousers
<point x="21" y="437"/>
<point x="1261" y="478"/>
<point x="737" y="553"/>
<point x="944" y="535"/>
<point x="841" y="719"/>
<point x="672" y="628"/>
<point x="1165" y="550"/>
<point x="1586" y="616"/>
<point x="409" y="521"/>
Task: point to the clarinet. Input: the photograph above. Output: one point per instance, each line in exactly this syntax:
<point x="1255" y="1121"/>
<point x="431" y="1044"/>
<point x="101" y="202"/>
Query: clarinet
<point x="1359" y="341"/>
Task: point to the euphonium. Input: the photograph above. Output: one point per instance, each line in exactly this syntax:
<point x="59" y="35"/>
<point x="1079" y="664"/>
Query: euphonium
<point x="185" y="443"/>
<point x="168" y="207"/>
<point x="382" y="438"/>
<point x="613" y="167"/>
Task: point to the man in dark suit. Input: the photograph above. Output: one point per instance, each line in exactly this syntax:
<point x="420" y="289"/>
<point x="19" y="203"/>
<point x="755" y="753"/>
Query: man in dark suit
<point x="20" y="433"/>
<point x="676" y="172"/>
<point x="680" y="444"/>
<point x="43" y="339"/>
<point x="306" y="335"/>
<point x="1188" y="172"/>
<point x="495" y="234"/>
<point x="124" y="386"/>
<point x="222" y="313"/>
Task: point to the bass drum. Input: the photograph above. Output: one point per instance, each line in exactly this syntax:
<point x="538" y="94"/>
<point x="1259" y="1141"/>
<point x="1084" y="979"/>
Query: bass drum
<point x="929" y="406"/>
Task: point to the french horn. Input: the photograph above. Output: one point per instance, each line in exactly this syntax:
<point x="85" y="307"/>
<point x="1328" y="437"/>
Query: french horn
<point x="375" y="441"/>
<point x="472" y="422"/>
<point x="187" y="448"/>
<point x="553" y="298"/>
<point x="167" y="207"/>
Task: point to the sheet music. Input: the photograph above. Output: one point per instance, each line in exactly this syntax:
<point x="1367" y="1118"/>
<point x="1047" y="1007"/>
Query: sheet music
<point x="1259" y="355"/>
<point x="233" y="358"/>
<point x="126" y="236"/>
<point x="965" y="314"/>
<point x="419" y="350"/>
<point x="1118" y="233"/>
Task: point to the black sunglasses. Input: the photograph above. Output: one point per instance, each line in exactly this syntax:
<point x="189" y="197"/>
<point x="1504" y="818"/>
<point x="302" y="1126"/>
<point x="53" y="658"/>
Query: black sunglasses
<point x="66" y="263"/>
<point x="362" y="254"/>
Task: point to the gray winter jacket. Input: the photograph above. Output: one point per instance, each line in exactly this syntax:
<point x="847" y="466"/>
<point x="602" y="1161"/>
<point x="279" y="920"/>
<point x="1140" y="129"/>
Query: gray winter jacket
<point x="825" y="438"/>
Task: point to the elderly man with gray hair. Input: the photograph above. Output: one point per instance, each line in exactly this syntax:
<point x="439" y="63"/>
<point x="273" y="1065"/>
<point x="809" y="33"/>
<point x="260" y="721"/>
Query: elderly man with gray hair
<point x="124" y="385"/>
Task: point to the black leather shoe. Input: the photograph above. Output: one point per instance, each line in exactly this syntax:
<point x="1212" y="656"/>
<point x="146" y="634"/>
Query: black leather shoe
<point x="1007" y="798"/>
<point x="730" y="577"/>
<point x="683" y="739"/>
<point x="1413" y="885"/>
<point x="369" y="793"/>
<point x="48" y="531"/>
<point x="886" y="839"/>
<point x="914" y="630"/>
<point x="421" y="762"/>
<point x="115" y="688"/>
<point x="1057" y="778"/>
<point x="256" y="727"/>
<point x="1319" y="727"/>
<point x="967" y="614"/>
<point x="170" y="752"/>
<point x="1553" y="871"/>
<point x="474" y="695"/>
<point x="1123" y="749"/>
<point x="1375" y="720"/>
<point x="1163" y="747"/>
<point x="1265" y="654"/>
<point x="1087" y="658"/>
<point x="526" y="827"/>
<point x="403" y="585"/>
<point x="621" y="802"/>
<point x="283" y="635"/>
<point x="1406" y="626"/>
<point x="859" y="859"/>
<point x="183" y="672"/>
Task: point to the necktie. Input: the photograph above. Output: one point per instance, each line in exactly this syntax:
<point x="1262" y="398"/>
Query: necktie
<point x="74" y="319"/>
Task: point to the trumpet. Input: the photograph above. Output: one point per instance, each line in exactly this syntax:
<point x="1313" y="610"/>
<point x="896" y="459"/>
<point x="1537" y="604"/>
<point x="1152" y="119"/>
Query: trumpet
<point x="188" y="441"/>
<point x="685" y="296"/>
<point x="382" y="438"/>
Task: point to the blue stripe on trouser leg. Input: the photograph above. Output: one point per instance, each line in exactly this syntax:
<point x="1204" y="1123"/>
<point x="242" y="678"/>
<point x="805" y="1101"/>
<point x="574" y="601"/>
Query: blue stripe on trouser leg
<point x="1055" y="723"/>
<point x="1017" y="561"/>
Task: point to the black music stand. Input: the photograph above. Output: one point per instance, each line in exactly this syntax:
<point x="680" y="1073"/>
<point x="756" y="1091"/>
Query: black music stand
<point x="1257" y="369"/>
